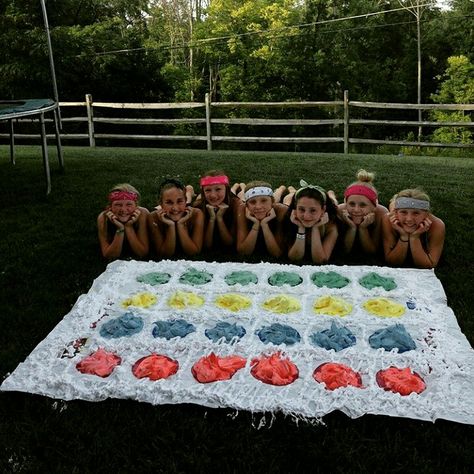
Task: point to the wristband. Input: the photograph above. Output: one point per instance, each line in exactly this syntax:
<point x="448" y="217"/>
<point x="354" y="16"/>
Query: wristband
<point x="120" y="231"/>
<point x="300" y="236"/>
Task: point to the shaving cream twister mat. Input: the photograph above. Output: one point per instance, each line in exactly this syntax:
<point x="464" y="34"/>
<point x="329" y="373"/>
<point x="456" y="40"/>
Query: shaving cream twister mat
<point x="261" y="337"/>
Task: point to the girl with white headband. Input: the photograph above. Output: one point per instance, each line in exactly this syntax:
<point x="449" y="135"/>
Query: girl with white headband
<point x="175" y="228"/>
<point x="219" y="206"/>
<point x="259" y="221"/>
<point x="411" y="234"/>
<point x="360" y="215"/>
<point x="312" y="230"/>
<point x="122" y="226"/>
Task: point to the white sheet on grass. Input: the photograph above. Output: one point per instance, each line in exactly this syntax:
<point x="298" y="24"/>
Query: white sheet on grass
<point x="443" y="356"/>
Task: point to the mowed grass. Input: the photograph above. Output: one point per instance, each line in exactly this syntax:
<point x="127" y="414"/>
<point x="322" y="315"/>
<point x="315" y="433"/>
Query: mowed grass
<point x="49" y="256"/>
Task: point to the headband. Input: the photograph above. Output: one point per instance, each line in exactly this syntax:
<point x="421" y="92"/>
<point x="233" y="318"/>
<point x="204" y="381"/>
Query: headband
<point x="305" y="185"/>
<point x="123" y="195"/>
<point x="258" y="191"/>
<point x="209" y="180"/>
<point x="410" y="203"/>
<point x="362" y="190"/>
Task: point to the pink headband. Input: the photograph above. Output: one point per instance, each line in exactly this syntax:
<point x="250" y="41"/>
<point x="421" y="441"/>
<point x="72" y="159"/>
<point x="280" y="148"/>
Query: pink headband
<point x="123" y="196"/>
<point x="209" y="180"/>
<point x="361" y="190"/>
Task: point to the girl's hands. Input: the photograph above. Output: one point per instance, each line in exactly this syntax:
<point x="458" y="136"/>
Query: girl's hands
<point x="187" y="215"/>
<point x="250" y="217"/>
<point x="324" y="220"/>
<point x="296" y="221"/>
<point x="346" y="218"/>
<point x="368" y="219"/>
<point x="396" y="226"/>
<point x="164" y="218"/>
<point x="211" y="210"/>
<point x="423" y="227"/>
<point x="133" y="218"/>
<point x="113" y="218"/>
<point x="221" y="210"/>
<point x="271" y="215"/>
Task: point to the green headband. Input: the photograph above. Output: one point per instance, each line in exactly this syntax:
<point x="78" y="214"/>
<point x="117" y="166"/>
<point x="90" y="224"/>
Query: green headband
<point x="305" y="185"/>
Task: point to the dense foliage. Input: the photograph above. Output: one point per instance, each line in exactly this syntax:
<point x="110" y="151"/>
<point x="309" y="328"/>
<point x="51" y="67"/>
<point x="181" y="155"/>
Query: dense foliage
<point x="141" y="50"/>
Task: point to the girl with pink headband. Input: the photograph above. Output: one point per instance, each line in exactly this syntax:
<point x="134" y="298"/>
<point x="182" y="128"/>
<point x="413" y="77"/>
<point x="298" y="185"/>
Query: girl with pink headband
<point x="259" y="221"/>
<point x="122" y="226"/>
<point x="219" y="206"/>
<point x="412" y="235"/>
<point x="361" y="215"/>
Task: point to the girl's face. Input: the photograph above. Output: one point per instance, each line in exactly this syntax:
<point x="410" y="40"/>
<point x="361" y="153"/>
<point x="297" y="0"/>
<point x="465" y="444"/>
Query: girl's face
<point x="309" y="211"/>
<point x="358" y="207"/>
<point x="173" y="203"/>
<point x="123" y="209"/>
<point x="214" y="194"/>
<point x="260" y="206"/>
<point x="410" y="219"/>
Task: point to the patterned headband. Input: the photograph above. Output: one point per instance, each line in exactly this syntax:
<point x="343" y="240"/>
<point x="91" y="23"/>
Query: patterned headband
<point x="210" y="180"/>
<point x="305" y="185"/>
<point x="362" y="190"/>
<point x="258" y="191"/>
<point x="123" y="196"/>
<point x="410" y="203"/>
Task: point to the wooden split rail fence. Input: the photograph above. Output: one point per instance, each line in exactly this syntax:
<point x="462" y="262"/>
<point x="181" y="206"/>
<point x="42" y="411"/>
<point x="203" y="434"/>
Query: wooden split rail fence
<point x="209" y="120"/>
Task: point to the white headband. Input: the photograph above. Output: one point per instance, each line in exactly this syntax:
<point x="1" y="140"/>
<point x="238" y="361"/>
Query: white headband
<point x="410" y="203"/>
<point x="258" y="191"/>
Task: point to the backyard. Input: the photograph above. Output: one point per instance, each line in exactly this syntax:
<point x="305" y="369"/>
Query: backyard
<point x="49" y="256"/>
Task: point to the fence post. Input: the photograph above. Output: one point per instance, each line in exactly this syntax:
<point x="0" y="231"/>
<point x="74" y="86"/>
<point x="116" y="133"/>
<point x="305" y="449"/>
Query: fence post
<point x="90" y="120"/>
<point x="208" y="121"/>
<point x="346" y="122"/>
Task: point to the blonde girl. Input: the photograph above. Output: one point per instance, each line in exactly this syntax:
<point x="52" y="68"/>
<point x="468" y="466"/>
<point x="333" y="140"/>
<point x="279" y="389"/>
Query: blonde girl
<point x="219" y="206"/>
<point x="411" y="233"/>
<point x="361" y="215"/>
<point x="174" y="227"/>
<point x="259" y="221"/>
<point x="122" y="225"/>
<point x="312" y="230"/>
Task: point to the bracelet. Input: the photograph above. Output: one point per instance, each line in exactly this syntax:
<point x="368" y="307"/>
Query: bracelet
<point x="301" y="233"/>
<point x="300" y="236"/>
<point x="120" y="231"/>
<point x="401" y="240"/>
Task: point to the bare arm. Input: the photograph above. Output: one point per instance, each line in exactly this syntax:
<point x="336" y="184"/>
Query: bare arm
<point x="297" y="250"/>
<point x="246" y="239"/>
<point x="429" y="257"/>
<point x="163" y="233"/>
<point x="321" y="250"/>
<point x="395" y="240"/>
<point x="138" y="238"/>
<point x="192" y="244"/>
<point x="110" y="250"/>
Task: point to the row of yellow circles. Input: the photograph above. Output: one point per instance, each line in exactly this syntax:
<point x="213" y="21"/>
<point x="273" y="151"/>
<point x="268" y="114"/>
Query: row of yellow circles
<point x="283" y="304"/>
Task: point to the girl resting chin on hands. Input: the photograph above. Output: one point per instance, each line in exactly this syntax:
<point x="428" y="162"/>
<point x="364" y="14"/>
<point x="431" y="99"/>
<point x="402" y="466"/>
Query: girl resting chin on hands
<point x="174" y="227"/>
<point x="412" y="235"/>
<point x="122" y="226"/>
<point x="259" y="221"/>
<point x="312" y="231"/>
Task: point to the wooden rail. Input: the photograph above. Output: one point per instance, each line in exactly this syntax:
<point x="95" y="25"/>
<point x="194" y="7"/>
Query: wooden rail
<point x="211" y="118"/>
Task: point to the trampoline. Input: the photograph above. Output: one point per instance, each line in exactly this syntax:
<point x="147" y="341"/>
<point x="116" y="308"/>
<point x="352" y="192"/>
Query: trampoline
<point x="11" y="110"/>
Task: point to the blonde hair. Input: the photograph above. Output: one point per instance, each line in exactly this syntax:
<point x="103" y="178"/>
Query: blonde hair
<point x="364" y="178"/>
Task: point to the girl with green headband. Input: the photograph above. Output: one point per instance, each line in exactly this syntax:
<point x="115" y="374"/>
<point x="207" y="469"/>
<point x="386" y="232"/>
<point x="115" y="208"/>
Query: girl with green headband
<point x="412" y="235"/>
<point x="312" y="230"/>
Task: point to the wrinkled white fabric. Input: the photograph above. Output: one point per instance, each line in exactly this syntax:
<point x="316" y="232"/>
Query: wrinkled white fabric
<point x="443" y="356"/>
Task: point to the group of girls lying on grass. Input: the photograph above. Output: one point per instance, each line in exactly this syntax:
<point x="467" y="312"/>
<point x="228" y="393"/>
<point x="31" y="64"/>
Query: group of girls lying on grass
<point x="250" y="219"/>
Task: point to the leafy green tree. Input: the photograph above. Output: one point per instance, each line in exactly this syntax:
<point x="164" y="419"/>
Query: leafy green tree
<point x="457" y="87"/>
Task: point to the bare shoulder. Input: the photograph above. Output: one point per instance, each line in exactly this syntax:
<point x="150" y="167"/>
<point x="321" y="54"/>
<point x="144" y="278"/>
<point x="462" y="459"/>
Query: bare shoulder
<point x="381" y="210"/>
<point x="437" y="223"/>
<point x="101" y="217"/>
<point x="144" y="210"/>
<point x="280" y="209"/>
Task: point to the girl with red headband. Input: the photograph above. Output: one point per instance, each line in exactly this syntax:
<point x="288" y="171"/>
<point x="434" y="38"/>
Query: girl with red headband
<point x="219" y="206"/>
<point x="175" y="228"/>
<point x="412" y="235"/>
<point x="361" y="215"/>
<point x="122" y="226"/>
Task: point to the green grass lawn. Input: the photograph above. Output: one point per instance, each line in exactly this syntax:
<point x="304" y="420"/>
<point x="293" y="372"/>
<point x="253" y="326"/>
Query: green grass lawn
<point x="49" y="256"/>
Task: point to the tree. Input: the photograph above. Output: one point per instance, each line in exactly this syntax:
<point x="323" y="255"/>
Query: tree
<point x="457" y="87"/>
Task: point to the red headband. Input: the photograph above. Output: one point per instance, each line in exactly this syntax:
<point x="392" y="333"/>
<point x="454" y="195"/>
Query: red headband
<point x="123" y="196"/>
<point x="209" y="180"/>
<point x="362" y="190"/>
